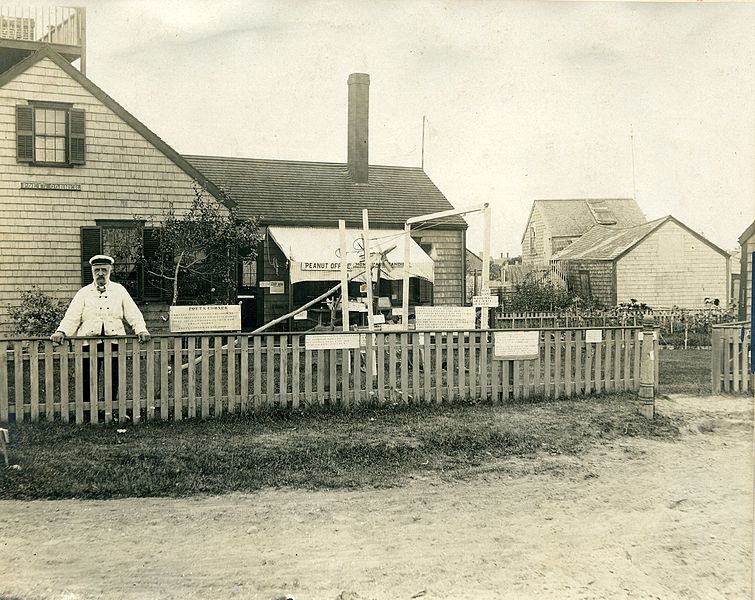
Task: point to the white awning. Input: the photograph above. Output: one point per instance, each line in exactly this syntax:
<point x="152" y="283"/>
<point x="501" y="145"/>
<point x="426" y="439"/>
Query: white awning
<point x="314" y="253"/>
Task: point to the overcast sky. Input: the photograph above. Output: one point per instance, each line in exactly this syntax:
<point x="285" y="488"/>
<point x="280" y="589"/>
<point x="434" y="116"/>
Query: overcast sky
<point x="523" y="100"/>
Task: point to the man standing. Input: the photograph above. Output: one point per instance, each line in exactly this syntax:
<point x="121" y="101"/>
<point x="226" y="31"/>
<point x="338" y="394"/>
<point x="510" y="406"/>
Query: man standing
<point x="98" y="310"/>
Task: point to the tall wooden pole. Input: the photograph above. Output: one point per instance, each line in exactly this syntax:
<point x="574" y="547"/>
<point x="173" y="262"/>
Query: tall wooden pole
<point x="405" y="285"/>
<point x="344" y="276"/>
<point x="367" y="266"/>
<point x="485" y="284"/>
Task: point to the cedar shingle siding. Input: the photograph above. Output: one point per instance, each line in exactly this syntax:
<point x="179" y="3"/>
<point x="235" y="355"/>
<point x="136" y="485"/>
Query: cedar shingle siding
<point x="601" y="280"/>
<point x="40" y="230"/>
<point x="672" y="267"/>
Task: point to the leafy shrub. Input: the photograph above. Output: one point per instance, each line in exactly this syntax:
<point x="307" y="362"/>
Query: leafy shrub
<point x="38" y="314"/>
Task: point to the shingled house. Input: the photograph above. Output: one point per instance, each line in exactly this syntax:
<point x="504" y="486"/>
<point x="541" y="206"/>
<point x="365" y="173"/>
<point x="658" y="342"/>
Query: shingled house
<point x="661" y="263"/>
<point x="78" y="167"/>
<point x="300" y="203"/>
<point x="554" y="224"/>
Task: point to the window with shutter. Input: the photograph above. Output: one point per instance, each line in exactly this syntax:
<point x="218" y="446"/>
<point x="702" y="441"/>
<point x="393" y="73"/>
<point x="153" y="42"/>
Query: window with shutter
<point x="50" y="134"/>
<point x="24" y="133"/>
<point x="77" y="137"/>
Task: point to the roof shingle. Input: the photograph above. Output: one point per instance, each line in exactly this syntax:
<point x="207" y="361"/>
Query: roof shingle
<point x="573" y="217"/>
<point x="319" y="193"/>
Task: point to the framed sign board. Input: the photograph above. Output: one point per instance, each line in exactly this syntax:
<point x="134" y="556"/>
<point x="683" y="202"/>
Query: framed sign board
<point x="444" y="317"/>
<point x="209" y="317"/>
<point x="331" y="341"/>
<point x="516" y="345"/>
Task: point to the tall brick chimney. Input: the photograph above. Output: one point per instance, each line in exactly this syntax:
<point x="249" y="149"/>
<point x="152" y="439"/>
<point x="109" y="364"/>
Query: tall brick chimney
<point x="358" y="131"/>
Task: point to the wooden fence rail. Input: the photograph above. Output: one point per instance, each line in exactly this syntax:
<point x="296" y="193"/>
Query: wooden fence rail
<point x="730" y="361"/>
<point x="189" y="376"/>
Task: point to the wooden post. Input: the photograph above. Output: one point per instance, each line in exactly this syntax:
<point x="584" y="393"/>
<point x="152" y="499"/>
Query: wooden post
<point x="405" y="284"/>
<point x="647" y="369"/>
<point x="485" y="284"/>
<point x="367" y="267"/>
<point x="344" y="276"/>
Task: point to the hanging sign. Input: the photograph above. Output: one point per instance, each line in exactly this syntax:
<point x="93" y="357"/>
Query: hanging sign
<point x="378" y="319"/>
<point x="302" y="316"/>
<point x="276" y="287"/>
<point x="357" y="306"/>
<point x="516" y="345"/>
<point x="210" y="317"/>
<point x="485" y="301"/>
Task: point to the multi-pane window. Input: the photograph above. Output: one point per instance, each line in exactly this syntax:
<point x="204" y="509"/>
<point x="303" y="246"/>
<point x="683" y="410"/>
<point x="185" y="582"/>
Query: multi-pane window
<point x="50" y="134"/>
<point x="50" y="126"/>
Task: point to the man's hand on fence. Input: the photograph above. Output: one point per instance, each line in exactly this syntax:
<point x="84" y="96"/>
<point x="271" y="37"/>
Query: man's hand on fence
<point x="143" y="337"/>
<point x="57" y="337"/>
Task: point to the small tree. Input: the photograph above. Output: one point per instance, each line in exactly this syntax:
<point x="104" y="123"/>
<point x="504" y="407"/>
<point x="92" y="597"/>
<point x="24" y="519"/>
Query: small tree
<point x="197" y="253"/>
<point x="38" y="314"/>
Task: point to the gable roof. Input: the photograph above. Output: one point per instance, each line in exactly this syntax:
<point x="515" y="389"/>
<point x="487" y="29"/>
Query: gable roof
<point x="747" y="234"/>
<point x="320" y="193"/>
<point x="573" y="217"/>
<point x="607" y="243"/>
<point x="150" y="136"/>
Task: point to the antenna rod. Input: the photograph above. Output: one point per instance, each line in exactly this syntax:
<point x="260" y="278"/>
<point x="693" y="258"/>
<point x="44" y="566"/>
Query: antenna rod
<point x="423" y="142"/>
<point x="631" y="141"/>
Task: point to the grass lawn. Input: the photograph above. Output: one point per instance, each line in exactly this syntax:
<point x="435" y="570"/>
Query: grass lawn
<point x="684" y="372"/>
<point x="314" y="449"/>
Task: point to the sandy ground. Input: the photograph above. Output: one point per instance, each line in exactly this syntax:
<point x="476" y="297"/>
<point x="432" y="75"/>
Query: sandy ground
<point x="632" y="519"/>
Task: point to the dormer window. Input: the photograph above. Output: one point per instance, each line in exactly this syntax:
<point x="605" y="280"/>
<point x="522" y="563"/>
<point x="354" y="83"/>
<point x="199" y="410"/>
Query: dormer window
<point x="50" y="134"/>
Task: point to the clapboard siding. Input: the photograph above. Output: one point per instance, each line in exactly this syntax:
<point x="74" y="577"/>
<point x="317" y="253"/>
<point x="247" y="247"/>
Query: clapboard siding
<point x="124" y="176"/>
<point x="671" y="267"/>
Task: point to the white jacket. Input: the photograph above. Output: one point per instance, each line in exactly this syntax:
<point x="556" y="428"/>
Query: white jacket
<point x="90" y="311"/>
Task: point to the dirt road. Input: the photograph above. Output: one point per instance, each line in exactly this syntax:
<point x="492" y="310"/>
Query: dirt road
<point x="633" y="519"/>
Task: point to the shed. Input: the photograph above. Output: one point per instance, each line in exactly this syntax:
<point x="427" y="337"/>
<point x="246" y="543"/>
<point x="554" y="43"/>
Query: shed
<point x="661" y="263"/>
<point x="553" y="224"/>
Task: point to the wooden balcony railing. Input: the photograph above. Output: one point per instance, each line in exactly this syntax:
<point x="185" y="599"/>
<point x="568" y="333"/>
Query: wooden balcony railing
<point x="62" y="25"/>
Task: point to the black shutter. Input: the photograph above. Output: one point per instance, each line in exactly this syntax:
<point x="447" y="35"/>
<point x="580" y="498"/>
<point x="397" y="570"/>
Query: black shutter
<point x="152" y="286"/>
<point x="76" y="136"/>
<point x="91" y="244"/>
<point x="24" y="133"/>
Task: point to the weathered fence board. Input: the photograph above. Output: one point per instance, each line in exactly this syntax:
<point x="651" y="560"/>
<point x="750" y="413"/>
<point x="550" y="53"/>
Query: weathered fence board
<point x="190" y="376"/>
<point x="730" y="360"/>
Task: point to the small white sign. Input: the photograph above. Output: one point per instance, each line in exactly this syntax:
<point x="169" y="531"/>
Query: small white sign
<point x="594" y="336"/>
<point x="357" y="306"/>
<point x="516" y="345"/>
<point x="302" y="316"/>
<point x="445" y="317"/>
<point x="641" y="335"/>
<point x="378" y="319"/>
<point x="277" y="287"/>
<point x="208" y="317"/>
<point x="264" y="284"/>
<point x="331" y="341"/>
<point x="485" y="301"/>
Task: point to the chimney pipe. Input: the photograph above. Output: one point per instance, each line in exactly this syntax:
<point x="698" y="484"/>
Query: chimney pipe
<point x="358" y="130"/>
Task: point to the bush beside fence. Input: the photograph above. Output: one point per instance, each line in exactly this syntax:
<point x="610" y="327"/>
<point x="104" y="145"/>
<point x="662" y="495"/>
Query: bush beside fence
<point x="190" y="376"/>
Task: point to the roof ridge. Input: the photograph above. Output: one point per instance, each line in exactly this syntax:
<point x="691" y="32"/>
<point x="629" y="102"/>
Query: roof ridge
<point x="291" y="160"/>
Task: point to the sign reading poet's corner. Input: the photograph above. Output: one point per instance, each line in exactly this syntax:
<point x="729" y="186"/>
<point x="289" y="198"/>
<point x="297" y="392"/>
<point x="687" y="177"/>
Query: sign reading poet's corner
<point x="208" y="317"/>
<point x="63" y="187"/>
